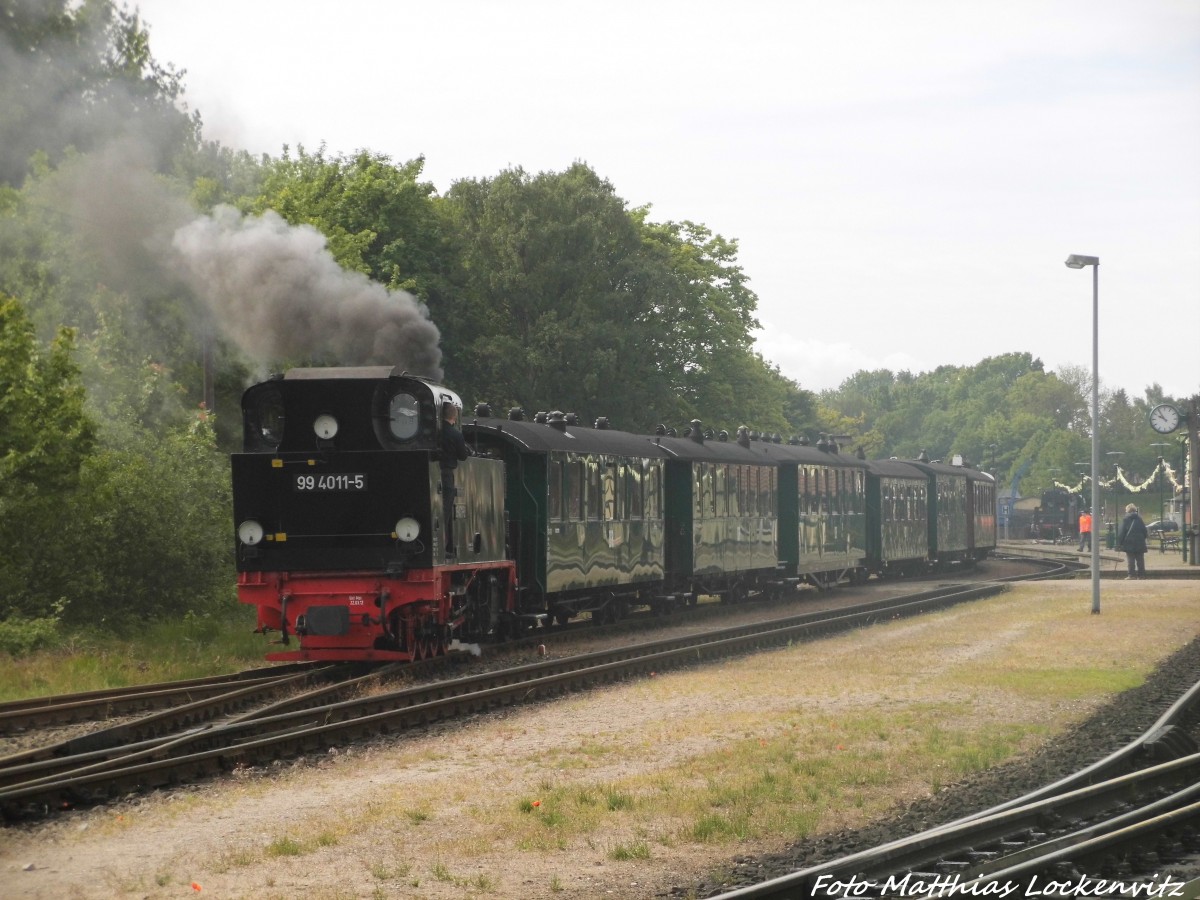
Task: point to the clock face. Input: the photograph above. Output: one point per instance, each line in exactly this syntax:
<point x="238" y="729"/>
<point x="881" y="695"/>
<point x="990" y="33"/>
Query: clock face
<point x="1164" y="418"/>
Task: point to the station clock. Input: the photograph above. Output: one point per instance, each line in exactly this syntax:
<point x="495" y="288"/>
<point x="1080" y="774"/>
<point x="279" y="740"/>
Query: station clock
<point x="1164" y="418"/>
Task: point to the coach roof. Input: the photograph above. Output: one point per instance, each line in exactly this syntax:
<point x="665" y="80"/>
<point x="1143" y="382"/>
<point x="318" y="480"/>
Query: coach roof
<point x="569" y="438"/>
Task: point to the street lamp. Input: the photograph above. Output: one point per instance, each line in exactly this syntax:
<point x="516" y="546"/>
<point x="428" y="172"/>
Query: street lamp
<point x="1075" y="261"/>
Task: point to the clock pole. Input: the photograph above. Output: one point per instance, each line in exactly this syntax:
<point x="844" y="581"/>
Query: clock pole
<point x="1192" y="425"/>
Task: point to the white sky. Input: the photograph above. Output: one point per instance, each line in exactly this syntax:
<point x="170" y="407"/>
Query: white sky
<point x="905" y="178"/>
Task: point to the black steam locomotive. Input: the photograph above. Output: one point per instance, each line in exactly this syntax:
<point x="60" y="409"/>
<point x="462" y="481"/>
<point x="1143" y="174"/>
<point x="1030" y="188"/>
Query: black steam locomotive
<point x="354" y="543"/>
<point x="1057" y="517"/>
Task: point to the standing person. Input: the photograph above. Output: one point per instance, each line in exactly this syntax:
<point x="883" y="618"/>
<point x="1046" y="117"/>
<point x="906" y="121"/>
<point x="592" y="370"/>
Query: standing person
<point x="454" y="450"/>
<point x="1085" y="530"/>
<point x="1131" y="538"/>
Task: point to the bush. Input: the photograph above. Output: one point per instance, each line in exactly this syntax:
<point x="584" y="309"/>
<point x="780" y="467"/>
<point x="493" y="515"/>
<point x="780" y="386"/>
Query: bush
<point x="20" y="637"/>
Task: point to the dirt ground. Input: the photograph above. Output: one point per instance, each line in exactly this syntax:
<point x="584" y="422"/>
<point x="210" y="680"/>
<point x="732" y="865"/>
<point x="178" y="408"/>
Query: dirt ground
<point x="424" y="815"/>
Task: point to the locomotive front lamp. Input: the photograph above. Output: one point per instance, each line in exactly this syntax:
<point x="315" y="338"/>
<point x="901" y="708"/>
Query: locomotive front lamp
<point x="408" y="529"/>
<point x="325" y="426"/>
<point x="1075" y="261"/>
<point x="250" y="533"/>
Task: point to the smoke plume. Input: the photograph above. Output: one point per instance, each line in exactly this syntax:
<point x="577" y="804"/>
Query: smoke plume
<point x="278" y="293"/>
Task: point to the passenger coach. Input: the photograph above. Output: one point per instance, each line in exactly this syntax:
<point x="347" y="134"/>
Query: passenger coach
<point x="962" y="512"/>
<point x="585" y="512"/>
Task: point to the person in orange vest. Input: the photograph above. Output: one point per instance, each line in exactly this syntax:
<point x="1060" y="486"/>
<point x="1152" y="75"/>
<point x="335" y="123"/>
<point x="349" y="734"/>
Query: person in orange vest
<point x="1085" y="529"/>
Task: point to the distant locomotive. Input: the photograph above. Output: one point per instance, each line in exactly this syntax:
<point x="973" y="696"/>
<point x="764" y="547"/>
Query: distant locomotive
<point x="345" y="518"/>
<point x="1058" y="516"/>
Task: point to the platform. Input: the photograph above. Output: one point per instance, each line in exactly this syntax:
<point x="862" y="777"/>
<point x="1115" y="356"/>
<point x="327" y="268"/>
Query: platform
<point x="1159" y="564"/>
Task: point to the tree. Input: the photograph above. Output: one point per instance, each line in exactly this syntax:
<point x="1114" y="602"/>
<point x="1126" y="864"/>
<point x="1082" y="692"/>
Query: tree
<point x="44" y="444"/>
<point x="80" y="76"/>
<point x="554" y="296"/>
<point x="379" y="218"/>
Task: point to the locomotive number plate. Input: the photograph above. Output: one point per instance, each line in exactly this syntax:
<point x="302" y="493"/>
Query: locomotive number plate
<point x="342" y="481"/>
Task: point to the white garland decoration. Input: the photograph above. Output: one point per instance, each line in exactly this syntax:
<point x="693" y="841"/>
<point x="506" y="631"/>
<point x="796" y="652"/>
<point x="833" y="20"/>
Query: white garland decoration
<point x="1177" y="487"/>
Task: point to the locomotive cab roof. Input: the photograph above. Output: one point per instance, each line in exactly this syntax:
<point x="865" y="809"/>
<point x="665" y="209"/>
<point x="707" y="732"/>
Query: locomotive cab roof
<point x="344" y="408"/>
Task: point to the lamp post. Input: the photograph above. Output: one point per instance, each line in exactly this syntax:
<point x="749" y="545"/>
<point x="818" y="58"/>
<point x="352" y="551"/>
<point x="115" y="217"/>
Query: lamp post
<point x="1075" y="261"/>
<point x="1162" y="506"/>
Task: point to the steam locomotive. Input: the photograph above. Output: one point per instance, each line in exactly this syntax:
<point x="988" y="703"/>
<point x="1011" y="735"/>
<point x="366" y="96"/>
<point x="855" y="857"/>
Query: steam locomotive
<point x="354" y="542"/>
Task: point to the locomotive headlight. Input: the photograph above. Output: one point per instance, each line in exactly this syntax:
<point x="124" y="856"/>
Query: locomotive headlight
<point x="326" y="426"/>
<point x="250" y="533"/>
<point x="408" y="528"/>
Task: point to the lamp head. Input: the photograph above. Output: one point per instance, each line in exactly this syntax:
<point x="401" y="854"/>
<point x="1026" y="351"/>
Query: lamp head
<point x="1075" y="261"/>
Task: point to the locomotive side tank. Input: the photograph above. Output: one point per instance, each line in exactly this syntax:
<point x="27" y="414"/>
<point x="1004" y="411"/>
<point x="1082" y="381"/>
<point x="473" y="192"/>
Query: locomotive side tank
<point x="341" y="531"/>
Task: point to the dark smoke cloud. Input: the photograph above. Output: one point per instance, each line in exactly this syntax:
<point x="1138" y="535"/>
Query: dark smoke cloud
<point x="278" y="293"/>
<point x="272" y="289"/>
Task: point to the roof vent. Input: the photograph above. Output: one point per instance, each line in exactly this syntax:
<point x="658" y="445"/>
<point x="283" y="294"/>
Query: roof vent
<point x="822" y="444"/>
<point x="860" y="453"/>
<point x="804" y="440"/>
<point x="923" y="457"/>
<point x="557" y="420"/>
<point x="541" y="417"/>
<point x="483" y="410"/>
<point x="516" y="414"/>
<point x="794" y="441"/>
<point x="776" y="438"/>
<point x="572" y="418"/>
<point x="696" y="431"/>
<point x="743" y="436"/>
<point x="601" y="423"/>
<point x="723" y="435"/>
<point x="661" y="430"/>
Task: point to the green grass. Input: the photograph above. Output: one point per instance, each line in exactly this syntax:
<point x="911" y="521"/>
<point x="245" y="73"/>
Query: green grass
<point x="192" y="647"/>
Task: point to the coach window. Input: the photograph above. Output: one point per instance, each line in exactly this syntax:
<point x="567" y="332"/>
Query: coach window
<point x="575" y="490"/>
<point x="633" y="487"/>
<point x="592" y="502"/>
<point x="554" y="494"/>
<point x="652" y="508"/>
<point x="608" y="491"/>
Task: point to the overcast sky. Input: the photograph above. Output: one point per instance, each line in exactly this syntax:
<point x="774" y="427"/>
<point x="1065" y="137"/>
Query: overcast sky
<point x="905" y="178"/>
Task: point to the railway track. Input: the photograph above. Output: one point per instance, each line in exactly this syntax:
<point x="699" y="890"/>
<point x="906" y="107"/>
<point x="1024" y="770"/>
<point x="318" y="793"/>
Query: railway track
<point x="1127" y="825"/>
<point x="17" y="716"/>
<point x="89" y="770"/>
